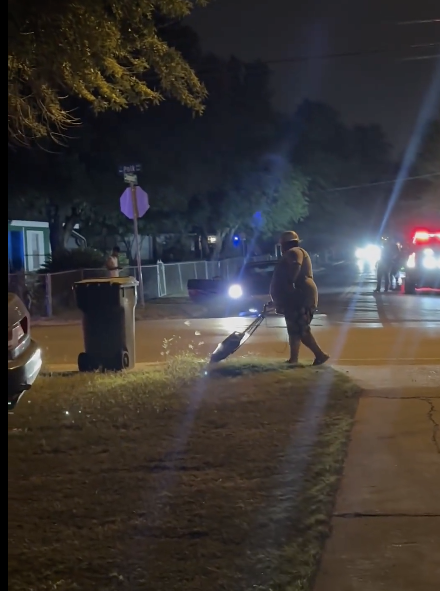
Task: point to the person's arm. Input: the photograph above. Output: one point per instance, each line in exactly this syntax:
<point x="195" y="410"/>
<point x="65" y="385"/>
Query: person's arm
<point x="110" y="264"/>
<point x="279" y="284"/>
<point x="274" y="290"/>
<point x="294" y="260"/>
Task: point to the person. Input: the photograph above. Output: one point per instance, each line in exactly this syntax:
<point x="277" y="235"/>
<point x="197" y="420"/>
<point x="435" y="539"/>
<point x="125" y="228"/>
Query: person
<point x="396" y="265"/>
<point x="295" y="295"/>
<point x="389" y="252"/>
<point x="112" y="262"/>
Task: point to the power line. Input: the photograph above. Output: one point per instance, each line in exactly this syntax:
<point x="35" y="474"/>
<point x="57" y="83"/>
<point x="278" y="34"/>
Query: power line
<point x="421" y="22"/>
<point x="338" y="55"/>
<point x="344" y="54"/>
<point x="420" y="57"/>
<point x="376" y="184"/>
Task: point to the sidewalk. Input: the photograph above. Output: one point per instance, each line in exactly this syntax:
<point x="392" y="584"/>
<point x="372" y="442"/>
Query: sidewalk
<point x="386" y="523"/>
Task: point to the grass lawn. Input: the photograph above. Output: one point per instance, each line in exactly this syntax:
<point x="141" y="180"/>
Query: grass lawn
<point x="175" y="480"/>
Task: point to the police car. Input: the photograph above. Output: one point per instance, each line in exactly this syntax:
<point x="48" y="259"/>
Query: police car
<point x="422" y="268"/>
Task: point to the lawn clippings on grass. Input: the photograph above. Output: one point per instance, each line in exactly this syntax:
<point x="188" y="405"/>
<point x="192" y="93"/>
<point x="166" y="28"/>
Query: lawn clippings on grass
<point x="177" y="479"/>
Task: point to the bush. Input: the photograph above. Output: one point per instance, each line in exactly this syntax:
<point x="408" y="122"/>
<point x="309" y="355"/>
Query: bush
<point x="71" y="260"/>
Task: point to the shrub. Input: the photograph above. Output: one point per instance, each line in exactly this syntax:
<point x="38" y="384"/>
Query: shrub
<point x="71" y="260"/>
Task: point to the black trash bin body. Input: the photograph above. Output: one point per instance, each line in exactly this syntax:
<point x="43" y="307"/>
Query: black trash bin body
<point x="108" y="307"/>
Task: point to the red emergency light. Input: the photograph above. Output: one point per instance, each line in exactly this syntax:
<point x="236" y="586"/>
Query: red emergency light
<point x="424" y="236"/>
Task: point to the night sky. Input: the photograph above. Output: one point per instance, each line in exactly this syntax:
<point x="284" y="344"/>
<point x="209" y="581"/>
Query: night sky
<point x="378" y="88"/>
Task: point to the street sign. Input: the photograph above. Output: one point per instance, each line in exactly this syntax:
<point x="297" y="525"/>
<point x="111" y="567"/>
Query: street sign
<point x="130" y="178"/>
<point x="130" y="168"/>
<point x="131" y="198"/>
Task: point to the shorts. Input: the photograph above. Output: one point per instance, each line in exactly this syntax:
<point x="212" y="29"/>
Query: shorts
<point x="298" y="320"/>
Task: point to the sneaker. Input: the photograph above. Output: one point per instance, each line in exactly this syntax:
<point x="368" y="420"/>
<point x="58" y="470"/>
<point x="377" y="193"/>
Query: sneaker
<point x="321" y="360"/>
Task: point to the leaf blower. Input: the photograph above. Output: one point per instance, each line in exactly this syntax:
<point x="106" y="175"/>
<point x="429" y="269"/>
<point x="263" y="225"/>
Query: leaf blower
<point x="236" y="339"/>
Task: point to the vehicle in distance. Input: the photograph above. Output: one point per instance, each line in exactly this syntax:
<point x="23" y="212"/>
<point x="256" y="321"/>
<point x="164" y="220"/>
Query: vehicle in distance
<point x="422" y="268"/>
<point x="249" y="290"/>
<point x="24" y="355"/>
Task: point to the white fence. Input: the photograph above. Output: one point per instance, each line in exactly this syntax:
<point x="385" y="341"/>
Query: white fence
<point x="45" y="294"/>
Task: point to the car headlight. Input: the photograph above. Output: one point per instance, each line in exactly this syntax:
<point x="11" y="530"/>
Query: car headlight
<point x="235" y="292"/>
<point x="429" y="263"/>
<point x="411" y="262"/>
<point x="372" y="253"/>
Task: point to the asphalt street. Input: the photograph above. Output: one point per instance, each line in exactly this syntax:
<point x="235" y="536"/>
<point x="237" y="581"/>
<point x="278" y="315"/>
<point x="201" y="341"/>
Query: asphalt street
<point x="356" y="326"/>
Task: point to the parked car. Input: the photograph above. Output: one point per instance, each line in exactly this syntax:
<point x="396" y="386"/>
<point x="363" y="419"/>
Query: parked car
<point x="24" y="355"/>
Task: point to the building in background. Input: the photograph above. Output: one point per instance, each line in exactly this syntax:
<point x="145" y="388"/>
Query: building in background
<point x="29" y="245"/>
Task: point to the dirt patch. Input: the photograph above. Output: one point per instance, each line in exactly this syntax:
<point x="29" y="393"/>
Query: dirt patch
<point x="178" y="479"/>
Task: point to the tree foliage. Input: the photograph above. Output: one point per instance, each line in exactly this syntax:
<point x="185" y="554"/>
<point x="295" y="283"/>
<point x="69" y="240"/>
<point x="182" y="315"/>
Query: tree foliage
<point x="241" y="168"/>
<point x="208" y="175"/>
<point x="69" y="260"/>
<point x="108" y="54"/>
<point x="53" y="186"/>
<point x="333" y="155"/>
<point x="420" y="204"/>
<point x="428" y="161"/>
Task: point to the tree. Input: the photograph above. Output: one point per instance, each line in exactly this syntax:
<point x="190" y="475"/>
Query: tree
<point x="261" y="201"/>
<point x="208" y="175"/>
<point x="333" y="155"/>
<point x="55" y="187"/>
<point x="79" y="182"/>
<point x="421" y="204"/>
<point x="240" y="170"/>
<point x="109" y="55"/>
<point x="428" y="161"/>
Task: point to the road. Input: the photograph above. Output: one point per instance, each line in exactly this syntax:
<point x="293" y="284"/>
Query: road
<point x="354" y="325"/>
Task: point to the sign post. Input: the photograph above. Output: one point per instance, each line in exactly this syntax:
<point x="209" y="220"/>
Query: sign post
<point x="137" y="241"/>
<point x="134" y="204"/>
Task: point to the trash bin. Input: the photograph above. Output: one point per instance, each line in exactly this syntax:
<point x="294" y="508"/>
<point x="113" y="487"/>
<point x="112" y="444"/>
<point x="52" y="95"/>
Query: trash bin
<point x="108" y="307"/>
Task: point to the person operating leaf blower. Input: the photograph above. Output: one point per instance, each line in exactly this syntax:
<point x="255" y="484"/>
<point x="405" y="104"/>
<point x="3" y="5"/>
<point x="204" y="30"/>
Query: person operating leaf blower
<point x="295" y="296"/>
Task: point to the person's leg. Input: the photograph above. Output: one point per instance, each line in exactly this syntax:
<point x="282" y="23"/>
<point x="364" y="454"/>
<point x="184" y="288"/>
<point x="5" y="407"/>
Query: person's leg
<point x="291" y="317"/>
<point x="379" y="273"/>
<point x="309" y="341"/>
<point x="387" y="279"/>
<point x="294" y="344"/>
